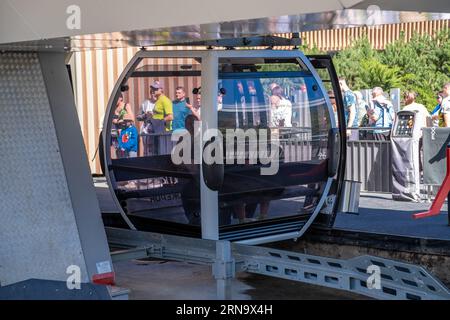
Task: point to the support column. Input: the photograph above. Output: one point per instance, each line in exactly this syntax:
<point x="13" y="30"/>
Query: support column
<point x="209" y="198"/>
<point x="50" y="217"/>
<point x="224" y="270"/>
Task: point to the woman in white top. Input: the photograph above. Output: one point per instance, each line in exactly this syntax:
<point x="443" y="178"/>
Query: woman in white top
<point x="280" y="109"/>
<point x="412" y="105"/>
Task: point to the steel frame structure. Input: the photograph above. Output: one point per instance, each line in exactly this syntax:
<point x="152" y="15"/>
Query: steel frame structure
<point x="397" y="280"/>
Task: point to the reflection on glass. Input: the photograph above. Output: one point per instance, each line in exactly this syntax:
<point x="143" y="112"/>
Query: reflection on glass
<point x="286" y="101"/>
<point x="271" y="114"/>
<point x="154" y="100"/>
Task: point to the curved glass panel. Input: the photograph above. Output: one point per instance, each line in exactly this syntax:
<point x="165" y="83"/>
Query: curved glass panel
<point x="278" y="119"/>
<point x="274" y="127"/>
<point x="154" y="102"/>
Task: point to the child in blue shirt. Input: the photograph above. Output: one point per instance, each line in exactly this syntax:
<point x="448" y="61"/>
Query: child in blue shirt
<point x="128" y="138"/>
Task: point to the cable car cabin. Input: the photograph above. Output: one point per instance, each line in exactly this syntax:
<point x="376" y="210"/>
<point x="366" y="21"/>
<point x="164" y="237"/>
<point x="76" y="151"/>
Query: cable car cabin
<point x="251" y="151"/>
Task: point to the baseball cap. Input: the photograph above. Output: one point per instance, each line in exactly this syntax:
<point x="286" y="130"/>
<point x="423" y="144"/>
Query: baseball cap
<point x="156" y="85"/>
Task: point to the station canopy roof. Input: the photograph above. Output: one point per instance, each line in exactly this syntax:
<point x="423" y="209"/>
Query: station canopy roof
<point x="56" y="25"/>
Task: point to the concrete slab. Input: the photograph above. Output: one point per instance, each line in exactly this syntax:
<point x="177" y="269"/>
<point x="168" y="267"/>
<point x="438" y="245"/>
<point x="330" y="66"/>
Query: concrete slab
<point x="160" y="280"/>
<point x="378" y="213"/>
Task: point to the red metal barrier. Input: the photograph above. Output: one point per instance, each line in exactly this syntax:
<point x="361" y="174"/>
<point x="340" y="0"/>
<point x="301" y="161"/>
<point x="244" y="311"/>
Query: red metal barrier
<point x="444" y="191"/>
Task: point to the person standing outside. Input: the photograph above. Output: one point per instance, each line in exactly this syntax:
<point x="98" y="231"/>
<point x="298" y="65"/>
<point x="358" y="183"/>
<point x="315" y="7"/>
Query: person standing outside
<point x="334" y="106"/>
<point x="181" y="109"/>
<point x="351" y="118"/>
<point x="128" y="138"/>
<point x="280" y="109"/>
<point x="145" y="115"/>
<point x="161" y="119"/>
<point x="361" y="107"/>
<point x="361" y="111"/>
<point x="163" y="110"/>
<point x="411" y="105"/>
<point x="128" y="143"/>
<point x="196" y="110"/>
<point x="436" y="114"/>
<point x="445" y="106"/>
<point x="381" y="115"/>
<point x="122" y="109"/>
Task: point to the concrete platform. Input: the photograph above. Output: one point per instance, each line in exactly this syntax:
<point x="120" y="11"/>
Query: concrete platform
<point x="161" y="280"/>
<point x="378" y="213"/>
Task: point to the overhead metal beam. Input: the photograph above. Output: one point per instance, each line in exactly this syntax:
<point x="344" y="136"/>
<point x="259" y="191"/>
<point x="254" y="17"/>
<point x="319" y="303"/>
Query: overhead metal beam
<point x="27" y="21"/>
<point x="31" y="29"/>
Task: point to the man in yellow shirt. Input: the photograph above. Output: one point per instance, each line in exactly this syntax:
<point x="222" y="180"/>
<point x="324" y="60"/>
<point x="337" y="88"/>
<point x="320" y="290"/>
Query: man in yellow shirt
<point x="163" y="107"/>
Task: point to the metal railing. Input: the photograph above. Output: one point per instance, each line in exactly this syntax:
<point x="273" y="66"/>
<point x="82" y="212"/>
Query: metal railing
<point x="369" y="162"/>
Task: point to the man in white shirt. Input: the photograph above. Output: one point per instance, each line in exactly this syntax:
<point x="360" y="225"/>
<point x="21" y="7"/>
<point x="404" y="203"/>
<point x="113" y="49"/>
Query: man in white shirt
<point x="445" y="106"/>
<point x="423" y="115"/>
<point x="412" y="105"/>
<point x="145" y="115"/>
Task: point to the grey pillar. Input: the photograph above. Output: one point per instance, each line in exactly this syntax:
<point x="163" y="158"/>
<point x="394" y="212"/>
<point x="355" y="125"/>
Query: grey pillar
<point x="209" y="198"/>
<point x="50" y="217"/>
<point x="224" y="270"/>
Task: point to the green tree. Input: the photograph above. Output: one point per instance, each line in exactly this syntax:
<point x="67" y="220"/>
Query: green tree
<point x="421" y="63"/>
<point x="374" y="73"/>
<point x="349" y="62"/>
<point x="427" y="59"/>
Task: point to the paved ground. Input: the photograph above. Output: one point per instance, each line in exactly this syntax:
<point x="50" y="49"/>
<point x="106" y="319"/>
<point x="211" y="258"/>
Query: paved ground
<point x="379" y="213"/>
<point x="158" y="280"/>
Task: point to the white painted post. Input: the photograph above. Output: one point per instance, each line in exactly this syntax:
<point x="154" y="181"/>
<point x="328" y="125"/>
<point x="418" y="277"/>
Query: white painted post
<point x="209" y="198"/>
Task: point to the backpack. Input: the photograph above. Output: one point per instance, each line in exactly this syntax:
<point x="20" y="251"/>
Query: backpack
<point x="385" y="110"/>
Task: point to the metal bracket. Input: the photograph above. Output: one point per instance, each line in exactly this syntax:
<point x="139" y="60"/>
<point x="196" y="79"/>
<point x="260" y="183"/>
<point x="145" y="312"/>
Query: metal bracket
<point x="224" y="265"/>
<point x="329" y="204"/>
<point x="223" y="269"/>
